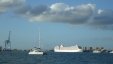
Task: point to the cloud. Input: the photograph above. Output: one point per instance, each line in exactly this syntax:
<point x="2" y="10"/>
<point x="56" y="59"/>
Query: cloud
<point x="104" y="18"/>
<point x="100" y="11"/>
<point x="60" y="12"/>
<point x="7" y="4"/>
<point x="28" y="11"/>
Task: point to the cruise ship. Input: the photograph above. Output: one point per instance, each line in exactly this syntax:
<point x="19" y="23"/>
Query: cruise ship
<point x="61" y="48"/>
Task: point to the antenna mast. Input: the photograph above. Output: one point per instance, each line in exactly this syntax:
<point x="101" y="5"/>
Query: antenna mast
<point x="39" y="39"/>
<point x="9" y="39"/>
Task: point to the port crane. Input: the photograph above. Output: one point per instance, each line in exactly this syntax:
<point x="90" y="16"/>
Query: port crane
<point x="8" y="42"/>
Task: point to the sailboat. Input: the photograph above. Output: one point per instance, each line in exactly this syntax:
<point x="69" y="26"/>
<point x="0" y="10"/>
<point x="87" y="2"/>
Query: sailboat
<point x="35" y="50"/>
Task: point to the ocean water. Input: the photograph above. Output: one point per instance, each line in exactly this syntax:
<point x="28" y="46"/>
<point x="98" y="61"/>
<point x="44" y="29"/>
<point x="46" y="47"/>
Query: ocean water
<point x="22" y="57"/>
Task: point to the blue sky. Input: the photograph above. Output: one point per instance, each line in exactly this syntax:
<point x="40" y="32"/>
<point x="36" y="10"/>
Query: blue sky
<point x="67" y="22"/>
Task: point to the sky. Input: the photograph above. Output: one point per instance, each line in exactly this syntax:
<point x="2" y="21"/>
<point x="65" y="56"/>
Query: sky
<point x="88" y="23"/>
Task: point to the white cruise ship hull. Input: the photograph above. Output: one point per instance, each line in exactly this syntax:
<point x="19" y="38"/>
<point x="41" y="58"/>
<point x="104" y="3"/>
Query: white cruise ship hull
<point x="68" y="50"/>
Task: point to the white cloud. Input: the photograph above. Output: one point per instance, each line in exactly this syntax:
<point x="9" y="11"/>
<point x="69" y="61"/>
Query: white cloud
<point x="100" y="11"/>
<point x="60" y="12"/>
<point x="82" y="14"/>
<point x="57" y="7"/>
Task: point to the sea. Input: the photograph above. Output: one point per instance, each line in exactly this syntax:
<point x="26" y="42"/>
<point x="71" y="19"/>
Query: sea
<point x="22" y="57"/>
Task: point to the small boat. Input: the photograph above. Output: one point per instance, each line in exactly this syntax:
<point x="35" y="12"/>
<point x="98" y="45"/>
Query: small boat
<point x="96" y="51"/>
<point x="61" y="48"/>
<point x="35" y="50"/>
<point x="111" y="51"/>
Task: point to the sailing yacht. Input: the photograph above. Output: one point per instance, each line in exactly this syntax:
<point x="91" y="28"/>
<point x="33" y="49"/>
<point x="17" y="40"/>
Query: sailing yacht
<point x="35" y="50"/>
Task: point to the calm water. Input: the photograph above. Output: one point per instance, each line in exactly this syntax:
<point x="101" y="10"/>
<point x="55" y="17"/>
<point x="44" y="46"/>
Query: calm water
<point x="21" y="57"/>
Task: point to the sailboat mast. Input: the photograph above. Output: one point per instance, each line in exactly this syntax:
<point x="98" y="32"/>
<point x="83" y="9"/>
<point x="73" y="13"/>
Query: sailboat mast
<point x="9" y="39"/>
<point x="9" y="35"/>
<point x="39" y="39"/>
